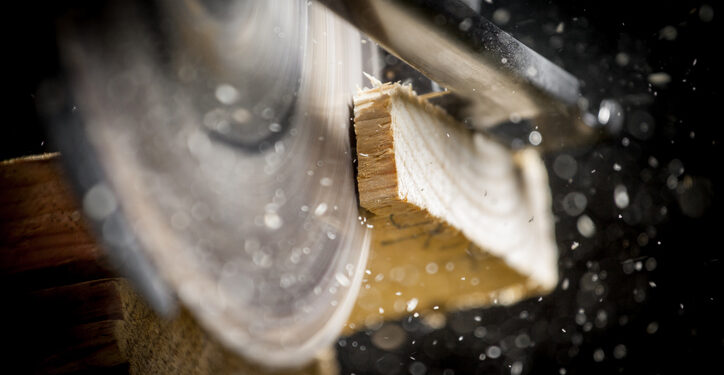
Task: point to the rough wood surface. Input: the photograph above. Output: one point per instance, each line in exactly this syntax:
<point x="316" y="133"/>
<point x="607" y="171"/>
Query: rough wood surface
<point x="459" y="221"/>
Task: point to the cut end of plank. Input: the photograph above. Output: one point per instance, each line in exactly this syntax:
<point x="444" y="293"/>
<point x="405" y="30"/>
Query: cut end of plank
<point x="424" y="175"/>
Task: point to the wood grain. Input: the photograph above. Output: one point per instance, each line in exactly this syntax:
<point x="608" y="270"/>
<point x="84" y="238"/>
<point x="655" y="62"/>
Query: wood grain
<point x="459" y="220"/>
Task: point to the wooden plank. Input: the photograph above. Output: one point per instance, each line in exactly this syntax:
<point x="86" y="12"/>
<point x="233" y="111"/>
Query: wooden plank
<point x="56" y="222"/>
<point x="69" y="313"/>
<point x="18" y="202"/>
<point x="49" y="240"/>
<point x="17" y="260"/>
<point x="43" y="240"/>
<point x="60" y="274"/>
<point x="61" y="297"/>
<point x="29" y="170"/>
<point x="85" y="302"/>
<point x="82" y="347"/>
<point x="459" y="220"/>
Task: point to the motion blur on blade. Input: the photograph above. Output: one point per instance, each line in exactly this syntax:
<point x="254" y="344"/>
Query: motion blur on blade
<point x="210" y="142"/>
<point x="212" y="150"/>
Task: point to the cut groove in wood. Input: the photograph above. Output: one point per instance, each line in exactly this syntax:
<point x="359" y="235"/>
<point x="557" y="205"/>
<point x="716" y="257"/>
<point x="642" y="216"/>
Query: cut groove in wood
<point x="434" y="185"/>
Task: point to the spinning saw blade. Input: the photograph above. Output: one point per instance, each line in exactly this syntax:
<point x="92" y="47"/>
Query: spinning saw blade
<point x="210" y="143"/>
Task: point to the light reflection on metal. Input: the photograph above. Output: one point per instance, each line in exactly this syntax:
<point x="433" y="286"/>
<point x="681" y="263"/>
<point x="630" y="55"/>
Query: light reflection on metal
<point x="498" y="75"/>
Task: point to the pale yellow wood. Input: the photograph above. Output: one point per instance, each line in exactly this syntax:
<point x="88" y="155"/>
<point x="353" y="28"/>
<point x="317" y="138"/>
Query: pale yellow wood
<point x="458" y="220"/>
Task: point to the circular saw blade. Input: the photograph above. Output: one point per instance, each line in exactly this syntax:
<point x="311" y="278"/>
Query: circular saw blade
<point x="223" y="139"/>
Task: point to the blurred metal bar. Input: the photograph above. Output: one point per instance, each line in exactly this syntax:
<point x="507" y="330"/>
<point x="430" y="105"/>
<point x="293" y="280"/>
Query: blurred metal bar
<point x="453" y="45"/>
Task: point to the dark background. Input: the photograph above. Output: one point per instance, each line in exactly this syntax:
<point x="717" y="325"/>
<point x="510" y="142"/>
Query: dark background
<point x="643" y="294"/>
